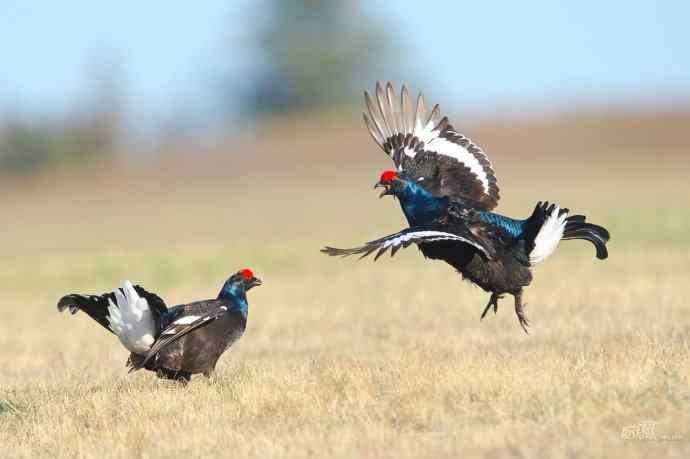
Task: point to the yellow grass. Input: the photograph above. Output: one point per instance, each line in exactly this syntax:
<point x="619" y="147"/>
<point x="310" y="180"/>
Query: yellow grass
<point x="345" y="358"/>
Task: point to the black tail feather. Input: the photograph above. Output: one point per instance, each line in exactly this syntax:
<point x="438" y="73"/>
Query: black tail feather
<point x="541" y="212"/>
<point x="95" y="306"/>
<point x="577" y="228"/>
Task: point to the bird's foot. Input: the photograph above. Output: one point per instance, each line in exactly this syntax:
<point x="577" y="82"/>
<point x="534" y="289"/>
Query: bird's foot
<point x="520" y="311"/>
<point x="493" y="301"/>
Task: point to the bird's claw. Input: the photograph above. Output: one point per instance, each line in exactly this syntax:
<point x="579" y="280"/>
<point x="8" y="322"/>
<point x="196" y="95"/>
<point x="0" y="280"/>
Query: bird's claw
<point x="493" y="301"/>
<point x="524" y="322"/>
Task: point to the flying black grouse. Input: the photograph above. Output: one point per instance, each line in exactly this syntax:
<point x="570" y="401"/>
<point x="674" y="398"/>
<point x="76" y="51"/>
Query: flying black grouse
<point x="177" y="342"/>
<point x="447" y="188"/>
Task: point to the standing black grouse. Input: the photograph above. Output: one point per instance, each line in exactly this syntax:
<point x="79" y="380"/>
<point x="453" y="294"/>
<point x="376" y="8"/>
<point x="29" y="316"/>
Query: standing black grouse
<point x="447" y="188"/>
<point x="177" y="342"/>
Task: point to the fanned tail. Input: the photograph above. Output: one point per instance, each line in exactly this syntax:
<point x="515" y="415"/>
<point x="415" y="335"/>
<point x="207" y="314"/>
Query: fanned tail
<point x="577" y="228"/>
<point x="129" y="312"/>
<point x="549" y="224"/>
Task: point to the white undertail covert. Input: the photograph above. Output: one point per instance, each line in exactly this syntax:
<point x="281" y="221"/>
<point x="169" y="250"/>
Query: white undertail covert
<point x="550" y="234"/>
<point x="131" y="319"/>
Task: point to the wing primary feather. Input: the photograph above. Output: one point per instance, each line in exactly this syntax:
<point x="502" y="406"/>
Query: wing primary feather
<point x="442" y="125"/>
<point x="435" y="116"/>
<point x="381" y="251"/>
<point x="367" y="250"/>
<point x="375" y="115"/>
<point x="394" y="108"/>
<point x="406" y="108"/>
<point x="404" y="239"/>
<point x="335" y="252"/>
<point x="420" y="112"/>
<point x="380" y="100"/>
<point x="373" y="130"/>
<point x="388" y="111"/>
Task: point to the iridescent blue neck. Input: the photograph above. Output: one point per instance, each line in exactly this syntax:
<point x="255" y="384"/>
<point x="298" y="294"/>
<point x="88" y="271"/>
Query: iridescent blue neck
<point x="237" y="296"/>
<point x="418" y="205"/>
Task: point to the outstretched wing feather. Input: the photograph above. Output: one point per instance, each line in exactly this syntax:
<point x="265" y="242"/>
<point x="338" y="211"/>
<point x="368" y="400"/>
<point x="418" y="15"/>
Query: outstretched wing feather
<point x="406" y="112"/>
<point x="385" y="118"/>
<point x="426" y="145"/>
<point x="403" y="239"/>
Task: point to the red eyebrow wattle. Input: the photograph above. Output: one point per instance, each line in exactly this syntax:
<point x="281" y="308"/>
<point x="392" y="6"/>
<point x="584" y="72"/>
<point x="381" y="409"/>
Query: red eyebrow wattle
<point x="247" y="273"/>
<point x="387" y="176"/>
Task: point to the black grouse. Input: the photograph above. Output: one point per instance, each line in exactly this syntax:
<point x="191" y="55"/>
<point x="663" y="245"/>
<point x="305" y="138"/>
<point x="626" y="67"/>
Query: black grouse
<point x="447" y="188"/>
<point x="177" y="342"/>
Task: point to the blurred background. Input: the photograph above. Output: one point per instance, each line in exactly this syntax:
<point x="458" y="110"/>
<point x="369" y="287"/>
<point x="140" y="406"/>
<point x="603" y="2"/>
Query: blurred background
<point x="83" y="83"/>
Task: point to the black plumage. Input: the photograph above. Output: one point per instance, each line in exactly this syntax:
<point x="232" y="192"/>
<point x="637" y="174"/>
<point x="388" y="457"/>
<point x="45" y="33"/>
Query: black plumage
<point x="427" y="147"/>
<point x="177" y="342"/>
<point x="447" y="188"/>
<point x="187" y="349"/>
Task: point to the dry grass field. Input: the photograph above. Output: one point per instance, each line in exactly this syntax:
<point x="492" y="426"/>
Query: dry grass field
<point x="345" y="358"/>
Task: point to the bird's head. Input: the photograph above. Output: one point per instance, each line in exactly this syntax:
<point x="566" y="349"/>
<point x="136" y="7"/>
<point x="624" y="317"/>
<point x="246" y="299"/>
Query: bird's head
<point x="418" y="204"/>
<point x="241" y="281"/>
<point x="393" y="183"/>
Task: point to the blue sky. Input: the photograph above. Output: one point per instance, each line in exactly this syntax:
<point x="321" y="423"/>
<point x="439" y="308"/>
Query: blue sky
<point x="172" y="56"/>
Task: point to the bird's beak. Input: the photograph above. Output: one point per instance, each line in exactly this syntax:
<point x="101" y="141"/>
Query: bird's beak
<point x="254" y="282"/>
<point x="387" y="190"/>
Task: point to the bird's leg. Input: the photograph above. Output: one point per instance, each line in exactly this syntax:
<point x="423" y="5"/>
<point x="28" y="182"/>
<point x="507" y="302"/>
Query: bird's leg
<point x="493" y="301"/>
<point x="519" y="310"/>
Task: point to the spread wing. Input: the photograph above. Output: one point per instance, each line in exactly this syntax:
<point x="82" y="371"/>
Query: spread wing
<point x="403" y="239"/>
<point x="192" y="318"/>
<point x="428" y="149"/>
